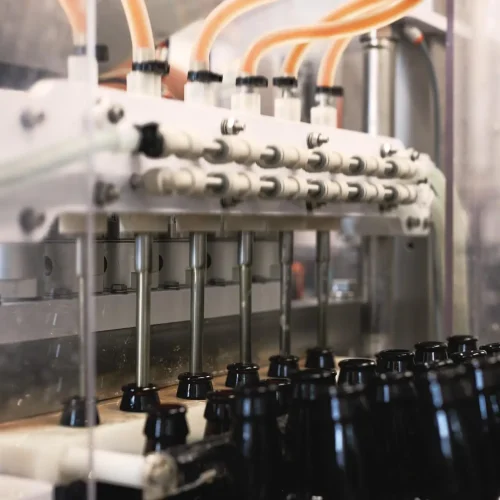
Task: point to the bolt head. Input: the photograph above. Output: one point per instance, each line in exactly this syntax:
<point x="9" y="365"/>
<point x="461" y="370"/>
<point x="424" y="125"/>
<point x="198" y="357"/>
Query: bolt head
<point x="115" y="114"/>
<point x="232" y="126"/>
<point x="415" y="155"/>
<point x="387" y="150"/>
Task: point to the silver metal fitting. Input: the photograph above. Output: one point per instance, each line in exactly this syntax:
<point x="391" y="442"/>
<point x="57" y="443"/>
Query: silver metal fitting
<point x="231" y="126"/>
<point x="387" y="149"/>
<point x="316" y="139"/>
<point x="115" y="114"/>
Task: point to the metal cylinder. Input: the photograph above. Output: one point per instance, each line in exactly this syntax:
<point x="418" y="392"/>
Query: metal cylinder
<point x="143" y="250"/>
<point x="379" y="60"/>
<point x="245" y="258"/>
<point x="197" y="264"/>
<point x="81" y="266"/>
<point x="286" y="261"/>
<point x="322" y="283"/>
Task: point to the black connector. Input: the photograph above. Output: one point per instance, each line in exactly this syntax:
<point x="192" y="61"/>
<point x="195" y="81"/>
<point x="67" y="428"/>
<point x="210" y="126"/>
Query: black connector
<point x="161" y="68"/>
<point x="334" y="90"/>
<point x="152" y="142"/>
<point x="252" y="81"/>
<point x="285" y="82"/>
<point x="204" y="76"/>
<point x="101" y="52"/>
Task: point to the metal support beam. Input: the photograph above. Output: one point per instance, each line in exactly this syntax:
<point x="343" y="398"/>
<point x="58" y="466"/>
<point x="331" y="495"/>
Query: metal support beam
<point x="286" y="260"/>
<point x="322" y="283"/>
<point x="245" y="258"/>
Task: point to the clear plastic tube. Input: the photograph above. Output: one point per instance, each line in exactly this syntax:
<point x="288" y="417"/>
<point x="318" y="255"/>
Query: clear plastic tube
<point x="217" y="20"/>
<point x="139" y="24"/>
<point x="354" y="8"/>
<point x="75" y="12"/>
<point x="326" y="30"/>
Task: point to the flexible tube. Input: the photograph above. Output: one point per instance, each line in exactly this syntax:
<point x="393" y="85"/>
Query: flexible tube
<point x="75" y="12"/>
<point x="329" y="65"/>
<point x="216" y="21"/>
<point x="356" y="7"/>
<point x="139" y="24"/>
<point x="326" y="30"/>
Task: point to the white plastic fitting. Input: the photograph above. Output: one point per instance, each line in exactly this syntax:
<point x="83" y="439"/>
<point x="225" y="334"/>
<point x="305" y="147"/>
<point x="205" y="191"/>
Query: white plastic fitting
<point x="373" y="191"/>
<point x="181" y="144"/>
<point x="288" y="108"/>
<point x="337" y="162"/>
<point x="289" y="157"/>
<point x="398" y="168"/>
<point x="190" y="181"/>
<point x="291" y="187"/>
<point x="239" y="184"/>
<point x="235" y="149"/>
<point x="406" y="194"/>
<point x="324" y="115"/>
<point x="201" y="93"/>
<point x="158" y="181"/>
<point x="246" y="102"/>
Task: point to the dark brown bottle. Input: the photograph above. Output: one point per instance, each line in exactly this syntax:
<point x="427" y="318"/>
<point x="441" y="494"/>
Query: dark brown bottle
<point x="465" y="356"/>
<point x="395" y="360"/>
<point x="461" y="343"/>
<point x="491" y="349"/>
<point x="282" y="366"/>
<point x="449" y="465"/>
<point x="319" y="357"/>
<point x="242" y="375"/>
<point x="323" y="440"/>
<point x="280" y="389"/>
<point x="393" y="403"/>
<point x="218" y="412"/>
<point x="166" y="426"/>
<point x="356" y="371"/>
<point x="258" y="441"/>
<point x="430" y="351"/>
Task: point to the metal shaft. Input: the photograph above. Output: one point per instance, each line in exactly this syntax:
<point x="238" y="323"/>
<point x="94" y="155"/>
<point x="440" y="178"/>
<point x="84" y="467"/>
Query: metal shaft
<point x="81" y="265"/>
<point x="197" y="263"/>
<point x="245" y="257"/>
<point x="286" y="260"/>
<point x="322" y="283"/>
<point x="143" y="249"/>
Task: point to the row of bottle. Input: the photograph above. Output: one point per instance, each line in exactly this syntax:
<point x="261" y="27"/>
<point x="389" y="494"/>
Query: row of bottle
<point x="422" y="424"/>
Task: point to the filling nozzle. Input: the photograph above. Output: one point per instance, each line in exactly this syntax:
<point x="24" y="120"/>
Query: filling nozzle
<point x="287" y="105"/>
<point x="328" y="111"/>
<point x="246" y="98"/>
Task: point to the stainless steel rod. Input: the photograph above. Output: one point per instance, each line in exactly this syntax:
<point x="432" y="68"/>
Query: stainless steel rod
<point x="197" y="263"/>
<point x="286" y="260"/>
<point x="322" y="283"/>
<point x="143" y="250"/>
<point x="81" y="265"/>
<point x="245" y="257"/>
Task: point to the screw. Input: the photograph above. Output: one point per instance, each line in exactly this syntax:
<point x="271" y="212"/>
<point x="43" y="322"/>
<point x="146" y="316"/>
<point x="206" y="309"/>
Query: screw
<point x="387" y="149"/>
<point x="315" y="139"/>
<point x="412" y="222"/>
<point x="115" y="114"/>
<point x="30" y="119"/>
<point x="105" y="193"/>
<point x="135" y="181"/>
<point x="29" y="220"/>
<point x="426" y="224"/>
<point x="415" y="155"/>
<point x="231" y="126"/>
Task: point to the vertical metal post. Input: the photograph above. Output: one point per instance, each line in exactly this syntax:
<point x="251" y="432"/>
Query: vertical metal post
<point x="286" y="260"/>
<point x="81" y="266"/>
<point x="322" y="283"/>
<point x="379" y="89"/>
<point x="197" y="264"/>
<point x="245" y="257"/>
<point x="143" y="245"/>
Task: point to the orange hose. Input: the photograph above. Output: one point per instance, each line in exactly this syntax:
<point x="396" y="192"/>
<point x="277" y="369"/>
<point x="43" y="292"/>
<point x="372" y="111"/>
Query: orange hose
<point x="356" y="7"/>
<point x="75" y="12"/>
<point x="139" y="24"/>
<point x="216" y="21"/>
<point x="329" y="64"/>
<point x="326" y="30"/>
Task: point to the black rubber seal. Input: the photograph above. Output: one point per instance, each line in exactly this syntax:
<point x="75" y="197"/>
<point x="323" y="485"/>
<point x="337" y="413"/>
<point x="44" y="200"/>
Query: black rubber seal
<point x="285" y="82"/>
<point x="252" y="81"/>
<point x="204" y="76"/>
<point x="155" y="67"/>
<point x="335" y="90"/>
<point x="101" y="52"/>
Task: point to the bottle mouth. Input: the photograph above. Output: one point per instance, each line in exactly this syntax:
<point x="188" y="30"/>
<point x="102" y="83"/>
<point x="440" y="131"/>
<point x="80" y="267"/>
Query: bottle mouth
<point x="221" y="396"/>
<point x="394" y="354"/>
<point x="357" y="364"/>
<point x="430" y="346"/>
<point x="243" y="367"/>
<point x="313" y="375"/>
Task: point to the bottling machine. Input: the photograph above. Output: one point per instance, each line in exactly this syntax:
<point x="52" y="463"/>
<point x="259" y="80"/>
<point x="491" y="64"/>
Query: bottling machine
<point x="209" y="212"/>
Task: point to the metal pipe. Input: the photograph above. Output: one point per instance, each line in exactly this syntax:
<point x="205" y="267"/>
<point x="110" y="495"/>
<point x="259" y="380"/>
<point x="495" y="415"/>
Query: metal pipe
<point x="286" y="259"/>
<point x="379" y="89"/>
<point x="143" y="264"/>
<point x="197" y="264"/>
<point x="245" y="257"/>
<point x="81" y="265"/>
<point x="322" y="283"/>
